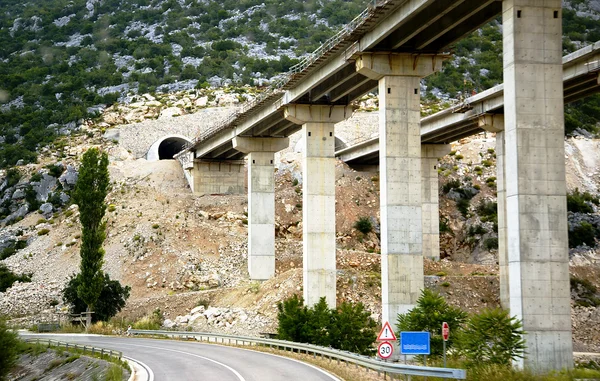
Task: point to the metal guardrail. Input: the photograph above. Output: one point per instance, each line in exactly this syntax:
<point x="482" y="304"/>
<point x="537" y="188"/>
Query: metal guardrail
<point x="92" y="350"/>
<point x="332" y="354"/>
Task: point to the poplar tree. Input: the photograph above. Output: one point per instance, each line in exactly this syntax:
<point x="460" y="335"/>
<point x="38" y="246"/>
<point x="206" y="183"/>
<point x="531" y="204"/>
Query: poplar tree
<point x="89" y="194"/>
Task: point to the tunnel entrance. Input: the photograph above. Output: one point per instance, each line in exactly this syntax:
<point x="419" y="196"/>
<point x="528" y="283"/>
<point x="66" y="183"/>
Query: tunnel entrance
<point x="170" y="147"/>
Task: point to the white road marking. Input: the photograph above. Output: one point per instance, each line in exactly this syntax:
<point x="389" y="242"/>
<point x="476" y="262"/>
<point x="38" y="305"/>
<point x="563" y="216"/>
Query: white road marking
<point x="239" y="376"/>
<point x="301" y="362"/>
<point x="144" y="366"/>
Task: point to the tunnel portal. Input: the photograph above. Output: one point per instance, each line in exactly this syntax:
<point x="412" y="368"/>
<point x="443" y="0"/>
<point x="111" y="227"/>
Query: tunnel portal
<point x="166" y="147"/>
<point x="170" y="147"/>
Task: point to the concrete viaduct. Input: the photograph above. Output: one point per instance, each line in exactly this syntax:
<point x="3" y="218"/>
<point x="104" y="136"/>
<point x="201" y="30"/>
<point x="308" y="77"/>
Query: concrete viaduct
<point x="391" y="46"/>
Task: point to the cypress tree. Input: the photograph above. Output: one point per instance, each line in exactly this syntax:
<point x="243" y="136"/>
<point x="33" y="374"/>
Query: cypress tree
<point x="89" y="194"/>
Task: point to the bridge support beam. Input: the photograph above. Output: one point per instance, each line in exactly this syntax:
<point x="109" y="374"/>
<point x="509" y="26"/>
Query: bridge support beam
<point x="261" y="202"/>
<point x="536" y="207"/>
<point x="495" y="123"/>
<point x="318" y="197"/>
<point x="218" y="177"/>
<point x="399" y="78"/>
<point x="430" y="188"/>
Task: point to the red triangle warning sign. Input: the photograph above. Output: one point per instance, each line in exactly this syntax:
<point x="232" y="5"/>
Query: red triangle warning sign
<point x="387" y="333"/>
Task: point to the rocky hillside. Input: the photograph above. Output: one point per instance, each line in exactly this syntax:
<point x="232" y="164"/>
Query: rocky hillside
<point x="186" y="255"/>
<point x="64" y="62"/>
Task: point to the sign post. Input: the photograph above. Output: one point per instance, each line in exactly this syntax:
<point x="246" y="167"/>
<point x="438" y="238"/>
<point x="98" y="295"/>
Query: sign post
<point x="445" y="336"/>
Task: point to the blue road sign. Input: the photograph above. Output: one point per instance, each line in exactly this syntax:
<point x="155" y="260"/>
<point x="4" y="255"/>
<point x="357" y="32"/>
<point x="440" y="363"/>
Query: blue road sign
<point x="415" y="343"/>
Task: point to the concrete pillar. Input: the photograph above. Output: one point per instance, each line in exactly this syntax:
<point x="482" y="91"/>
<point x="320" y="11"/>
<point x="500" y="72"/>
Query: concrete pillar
<point x="495" y="124"/>
<point x="399" y="77"/>
<point x="218" y="177"/>
<point x="261" y="202"/>
<point x="430" y="187"/>
<point x="318" y="197"/>
<point x="537" y="232"/>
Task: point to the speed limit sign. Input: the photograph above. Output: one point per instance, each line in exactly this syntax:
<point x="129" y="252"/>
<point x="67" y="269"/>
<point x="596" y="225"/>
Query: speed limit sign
<point x="385" y="350"/>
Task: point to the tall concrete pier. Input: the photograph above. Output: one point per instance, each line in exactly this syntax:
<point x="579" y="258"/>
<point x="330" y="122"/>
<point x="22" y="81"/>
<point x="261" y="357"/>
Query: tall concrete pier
<point x="318" y="197"/>
<point x="261" y="202"/>
<point x="536" y="207"/>
<point x="495" y="123"/>
<point x="399" y="78"/>
<point x="430" y="187"/>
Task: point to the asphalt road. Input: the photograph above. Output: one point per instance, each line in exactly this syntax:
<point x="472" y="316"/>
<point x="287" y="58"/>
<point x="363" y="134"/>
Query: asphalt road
<point x="180" y="360"/>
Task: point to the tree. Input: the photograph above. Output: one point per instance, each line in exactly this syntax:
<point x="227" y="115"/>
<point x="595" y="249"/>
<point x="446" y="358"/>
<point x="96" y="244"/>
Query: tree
<point x="89" y="194"/>
<point x="353" y="329"/>
<point x="349" y="327"/>
<point x="292" y="317"/>
<point x="111" y="300"/>
<point x="8" y="349"/>
<point x="428" y="315"/>
<point x="492" y="337"/>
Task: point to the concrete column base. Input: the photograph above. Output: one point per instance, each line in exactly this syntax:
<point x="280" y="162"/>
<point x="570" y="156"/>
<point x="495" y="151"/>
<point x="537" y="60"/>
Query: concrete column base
<point x="218" y="177"/>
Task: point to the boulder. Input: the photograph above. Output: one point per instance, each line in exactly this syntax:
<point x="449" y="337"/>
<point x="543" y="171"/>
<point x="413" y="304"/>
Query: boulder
<point x="19" y="194"/>
<point x="46" y="209"/>
<point x="43" y="188"/>
<point x="18" y="214"/>
<point x="69" y="178"/>
<point x="197" y="310"/>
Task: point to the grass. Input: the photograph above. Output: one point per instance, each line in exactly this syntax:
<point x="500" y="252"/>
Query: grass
<point x="115" y="373"/>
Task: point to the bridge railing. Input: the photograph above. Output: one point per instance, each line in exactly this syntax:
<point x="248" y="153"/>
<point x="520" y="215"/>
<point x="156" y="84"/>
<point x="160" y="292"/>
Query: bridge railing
<point x="329" y="353"/>
<point x="85" y="348"/>
<point x="284" y="78"/>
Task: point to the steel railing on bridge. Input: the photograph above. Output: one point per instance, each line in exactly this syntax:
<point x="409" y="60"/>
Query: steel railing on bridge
<point x="276" y="87"/>
<point x="329" y="353"/>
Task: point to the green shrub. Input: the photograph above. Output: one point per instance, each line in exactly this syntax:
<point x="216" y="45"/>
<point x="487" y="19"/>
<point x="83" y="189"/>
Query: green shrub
<point x="294" y="182"/>
<point x="31" y="198"/>
<point x="476" y="230"/>
<point x="12" y="177"/>
<point x="9" y="352"/>
<point x="35" y="177"/>
<point x="463" y="206"/>
<point x="12" y="249"/>
<point x="428" y="315"/>
<point x="349" y="327"/>
<point x="492" y="337"/>
<point x="444" y="226"/>
<point x="43" y="232"/>
<point x="364" y="225"/>
<point x="491" y="243"/>
<point x="581" y="202"/>
<point x="54" y="170"/>
<point x="487" y="163"/>
<point x="7" y="278"/>
<point x="451" y="184"/>
<point x="488" y="211"/>
<point x="111" y="300"/>
<point x="585" y="233"/>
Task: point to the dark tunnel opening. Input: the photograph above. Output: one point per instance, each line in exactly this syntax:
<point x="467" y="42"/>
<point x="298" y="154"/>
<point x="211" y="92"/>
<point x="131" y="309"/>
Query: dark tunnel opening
<point x="169" y="147"/>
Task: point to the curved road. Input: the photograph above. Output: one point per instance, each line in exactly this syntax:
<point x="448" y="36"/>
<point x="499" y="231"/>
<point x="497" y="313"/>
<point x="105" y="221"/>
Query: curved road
<point x="181" y="360"/>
